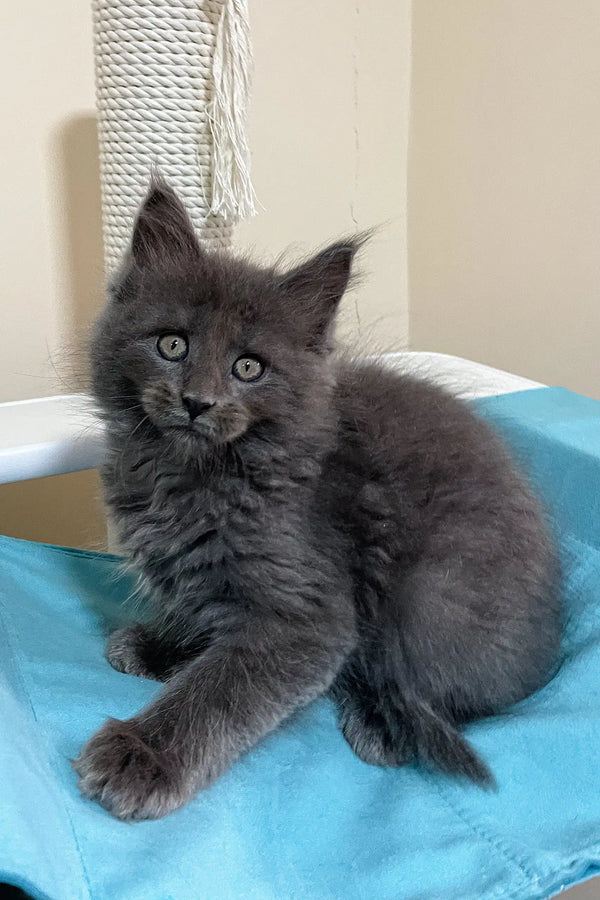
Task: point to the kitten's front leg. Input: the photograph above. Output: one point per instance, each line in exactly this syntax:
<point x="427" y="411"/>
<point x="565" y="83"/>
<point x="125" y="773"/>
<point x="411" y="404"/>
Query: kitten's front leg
<point x="214" y="708"/>
<point x="138" y="650"/>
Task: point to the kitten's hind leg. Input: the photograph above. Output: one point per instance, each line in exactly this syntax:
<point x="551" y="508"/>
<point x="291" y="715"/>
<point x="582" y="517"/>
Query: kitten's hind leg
<point x="378" y="735"/>
<point x="387" y="727"/>
<point x="136" y="650"/>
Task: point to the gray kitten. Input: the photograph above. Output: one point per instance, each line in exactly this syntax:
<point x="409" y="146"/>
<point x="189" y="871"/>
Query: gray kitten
<point x="302" y="526"/>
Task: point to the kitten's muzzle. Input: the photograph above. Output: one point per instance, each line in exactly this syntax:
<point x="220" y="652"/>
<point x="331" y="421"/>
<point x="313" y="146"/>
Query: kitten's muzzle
<point x="195" y="407"/>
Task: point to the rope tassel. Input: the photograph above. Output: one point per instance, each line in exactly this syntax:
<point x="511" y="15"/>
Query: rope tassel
<point x="232" y="192"/>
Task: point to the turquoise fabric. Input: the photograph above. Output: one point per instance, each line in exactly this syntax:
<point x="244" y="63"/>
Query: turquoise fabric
<point x="300" y="816"/>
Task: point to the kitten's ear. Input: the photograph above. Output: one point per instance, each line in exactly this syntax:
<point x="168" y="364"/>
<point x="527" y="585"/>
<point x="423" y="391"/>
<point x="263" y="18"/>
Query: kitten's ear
<point x="315" y="288"/>
<point x="163" y="232"/>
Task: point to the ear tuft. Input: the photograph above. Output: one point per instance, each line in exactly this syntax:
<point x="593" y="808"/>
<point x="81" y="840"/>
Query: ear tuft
<point x="315" y="287"/>
<point x="163" y="233"/>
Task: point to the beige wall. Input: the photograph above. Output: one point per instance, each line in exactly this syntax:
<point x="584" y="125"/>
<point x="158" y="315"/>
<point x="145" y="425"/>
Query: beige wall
<point x="329" y="134"/>
<point x="504" y="185"/>
<point x="328" y="128"/>
<point x="51" y="257"/>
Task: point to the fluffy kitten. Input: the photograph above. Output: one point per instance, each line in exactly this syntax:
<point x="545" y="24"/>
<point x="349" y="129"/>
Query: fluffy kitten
<point x="301" y="525"/>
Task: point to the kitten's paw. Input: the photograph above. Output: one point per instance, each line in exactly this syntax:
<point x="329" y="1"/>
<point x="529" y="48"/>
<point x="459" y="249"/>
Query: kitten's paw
<point x="124" y="651"/>
<point x="127" y="777"/>
<point x="371" y="738"/>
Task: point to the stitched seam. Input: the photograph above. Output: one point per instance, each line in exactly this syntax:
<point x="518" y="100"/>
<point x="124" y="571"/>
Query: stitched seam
<point x="562" y="872"/>
<point x="13" y="640"/>
<point x="517" y="892"/>
<point x="496" y="843"/>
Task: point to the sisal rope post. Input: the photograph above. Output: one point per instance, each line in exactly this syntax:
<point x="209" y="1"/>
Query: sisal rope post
<point x="172" y="88"/>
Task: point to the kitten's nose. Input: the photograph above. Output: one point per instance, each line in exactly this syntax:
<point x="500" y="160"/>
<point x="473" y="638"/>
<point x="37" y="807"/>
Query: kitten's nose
<point x="194" y="406"/>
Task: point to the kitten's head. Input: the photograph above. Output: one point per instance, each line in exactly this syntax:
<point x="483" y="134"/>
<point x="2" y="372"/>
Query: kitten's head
<point x="205" y="347"/>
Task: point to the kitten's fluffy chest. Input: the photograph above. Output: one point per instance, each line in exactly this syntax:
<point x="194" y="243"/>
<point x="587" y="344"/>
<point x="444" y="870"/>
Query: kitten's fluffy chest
<point x="197" y="530"/>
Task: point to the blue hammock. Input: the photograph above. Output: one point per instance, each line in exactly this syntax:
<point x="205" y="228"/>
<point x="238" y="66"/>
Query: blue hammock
<point x="300" y="816"/>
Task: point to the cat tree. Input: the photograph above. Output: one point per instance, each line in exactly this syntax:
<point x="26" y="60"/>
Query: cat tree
<point x="172" y="84"/>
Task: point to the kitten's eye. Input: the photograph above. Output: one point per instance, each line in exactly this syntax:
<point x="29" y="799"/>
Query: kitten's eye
<point x="172" y="347"/>
<point x="248" y="368"/>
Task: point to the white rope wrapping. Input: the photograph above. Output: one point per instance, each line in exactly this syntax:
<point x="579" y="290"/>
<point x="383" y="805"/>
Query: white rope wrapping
<point x="172" y="85"/>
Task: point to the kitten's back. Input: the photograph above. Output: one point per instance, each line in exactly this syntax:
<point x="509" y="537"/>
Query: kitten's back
<point x="402" y="421"/>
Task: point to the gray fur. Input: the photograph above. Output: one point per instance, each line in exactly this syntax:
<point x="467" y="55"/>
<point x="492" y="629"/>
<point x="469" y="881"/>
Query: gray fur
<point x="332" y="527"/>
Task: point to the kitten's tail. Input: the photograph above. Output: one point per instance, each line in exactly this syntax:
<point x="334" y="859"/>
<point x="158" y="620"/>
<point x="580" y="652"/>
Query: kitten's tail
<point x="439" y="744"/>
